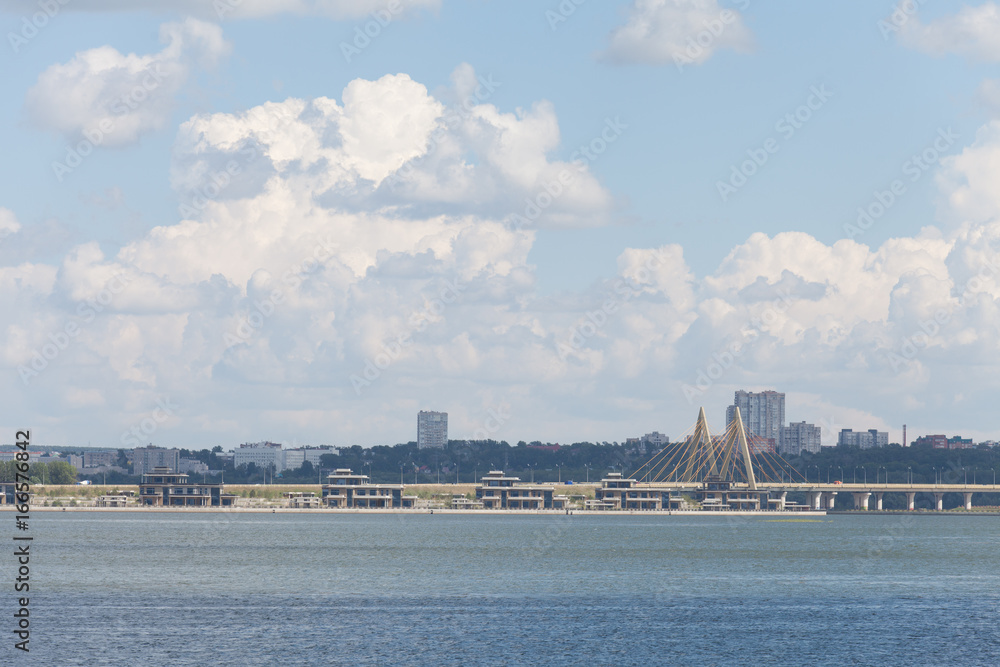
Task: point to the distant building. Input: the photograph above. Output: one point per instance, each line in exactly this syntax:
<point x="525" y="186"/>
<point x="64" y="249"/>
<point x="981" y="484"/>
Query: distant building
<point x="863" y="439"/>
<point x="800" y="437"/>
<point x="432" y="429"/>
<point x="656" y="439"/>
<point x="294" y="458"/>
<point x="145" y="459"/>
<point x="264" y="455"/>
<point x="943" y="442"/>
<point x="192" y="467"/>
<point x="99" y="459"/>
<point x="763" y="413"/>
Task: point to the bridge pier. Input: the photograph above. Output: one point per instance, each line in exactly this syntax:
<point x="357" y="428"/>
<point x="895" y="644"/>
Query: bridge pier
<point x="939" y="501"/>
<point x="878" y="501"/>
<point x="910" y="495"/>
<point x="968" y="500"/>
<point x="831" y="497"/>
<point x="815" y="498"/>
<point x="861" y="500"/>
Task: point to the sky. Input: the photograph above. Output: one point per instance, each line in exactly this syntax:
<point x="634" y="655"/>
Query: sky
<point x="306" y="220"/>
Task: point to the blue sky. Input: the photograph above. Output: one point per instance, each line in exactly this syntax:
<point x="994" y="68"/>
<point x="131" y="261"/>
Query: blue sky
<point x="654" y="189"/>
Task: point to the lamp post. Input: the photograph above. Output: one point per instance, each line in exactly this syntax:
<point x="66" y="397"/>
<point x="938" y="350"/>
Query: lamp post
<point x="965" y="471"/>
<point x="400" y="473"/>
<point x="865" y="471"/>
<point x="855" y="475"/>
<point x="934" y="468"/>
<point x="559" y="472"/>
<point x="841" y="473"/>
<point x="828" y="469"/>
<point x="909" y="476"/>
<point x="587" y="466"/>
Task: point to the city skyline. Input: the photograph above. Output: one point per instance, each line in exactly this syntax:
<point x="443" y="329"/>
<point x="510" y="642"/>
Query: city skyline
<point x="244" y="220"/>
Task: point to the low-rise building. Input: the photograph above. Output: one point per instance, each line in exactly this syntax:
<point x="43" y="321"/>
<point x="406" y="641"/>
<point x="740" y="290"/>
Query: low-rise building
<point x="100" y="458"/>
<point x="164" y="488"/>
<point x="497" y="491"/>
<point x="346" y="490"/>
<point x="112" y="501"/>
<point x="303" y="500"/>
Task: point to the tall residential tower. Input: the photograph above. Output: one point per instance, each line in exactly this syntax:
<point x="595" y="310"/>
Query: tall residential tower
<point x="432" y="429"/>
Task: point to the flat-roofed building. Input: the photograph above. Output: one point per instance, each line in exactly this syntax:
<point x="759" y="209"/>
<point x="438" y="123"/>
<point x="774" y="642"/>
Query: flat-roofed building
<point x="498" y="491"/>
<point x="164" y="488"/>
<point x="303" y="500"/>
<point x="145" y="459"/>
<point x="264" y="455"/>
<point x="346" y="490"/>
<point x="100" y="458"/>
<point x="432" y="429"/>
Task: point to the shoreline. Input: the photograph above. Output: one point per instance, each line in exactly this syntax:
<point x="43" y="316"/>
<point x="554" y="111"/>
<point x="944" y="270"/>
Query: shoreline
<point x="483" y="512"/>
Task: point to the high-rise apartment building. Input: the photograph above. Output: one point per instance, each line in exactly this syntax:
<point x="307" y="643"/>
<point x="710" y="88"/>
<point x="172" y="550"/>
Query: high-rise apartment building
<point x="763" y="413"/>
<point x="145" y="459"/>
<point x="800" y="437"/>
<point x="264" y="455"/>
<point x="863" y="439"/>
<point x="432" y="429"/>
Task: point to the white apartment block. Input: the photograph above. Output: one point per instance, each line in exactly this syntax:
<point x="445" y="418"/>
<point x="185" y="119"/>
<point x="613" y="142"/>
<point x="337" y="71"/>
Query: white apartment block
<point x="432" y="429"/>
<point x="264" y="455"/>
<point x="763" y="413"/>
<point x="800" y="437"/>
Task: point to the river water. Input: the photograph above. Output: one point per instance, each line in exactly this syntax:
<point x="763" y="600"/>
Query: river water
<point x="241" y="588"/>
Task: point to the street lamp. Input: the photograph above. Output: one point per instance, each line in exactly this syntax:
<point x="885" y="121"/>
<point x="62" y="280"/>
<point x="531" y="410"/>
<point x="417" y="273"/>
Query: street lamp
<point x="855" y="475"/>
<point x="828" y="469"/>
<point x="841" y="473"/>
<point x="865" y="471"/>
<point x="587" y="466"/>
<point x="531" y="471"/>
<point x="934" y="468"/>
<point x="559" y="472"/>
<point x="909" y="476"/>
<point x="966" y="473"/>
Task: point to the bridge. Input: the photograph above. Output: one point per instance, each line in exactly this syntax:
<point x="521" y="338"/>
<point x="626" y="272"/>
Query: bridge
<point x="738" y="470"/>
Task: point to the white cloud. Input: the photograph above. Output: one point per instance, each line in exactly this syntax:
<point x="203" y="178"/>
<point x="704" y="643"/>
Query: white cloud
<point x="683" y="32"/>
<point x="369" y="237"/>
<point x="226" y="9"/>
<point x="111" y="98"/>
<point x="974" y="32"/>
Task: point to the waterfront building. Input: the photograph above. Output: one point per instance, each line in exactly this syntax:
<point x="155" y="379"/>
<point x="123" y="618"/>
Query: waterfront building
<point x="164" y="488"/>
<point x="800" y="437"/>
<point x="498" y="491"/>
<point x="303" y="500"/>
<point x="763" y="413"/>
<point x="112" y="501"/>
<point x="619" y="492"/>
<point x="460" y="502"/>
<point x="346" y="490"/>
<point x="264" y="455"/>
<point x="863" y="439"/>
<point x="145" y="459"/>
<point x="432" y="429"/>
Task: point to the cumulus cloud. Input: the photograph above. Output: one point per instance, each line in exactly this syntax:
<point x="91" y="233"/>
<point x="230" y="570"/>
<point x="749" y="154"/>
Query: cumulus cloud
<point x="339" y="264"/>
<point x="683" y="32"/>
<point x="974" y="32"/>
<point x="224" y="9"/>
<point x="112" y="98"/>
